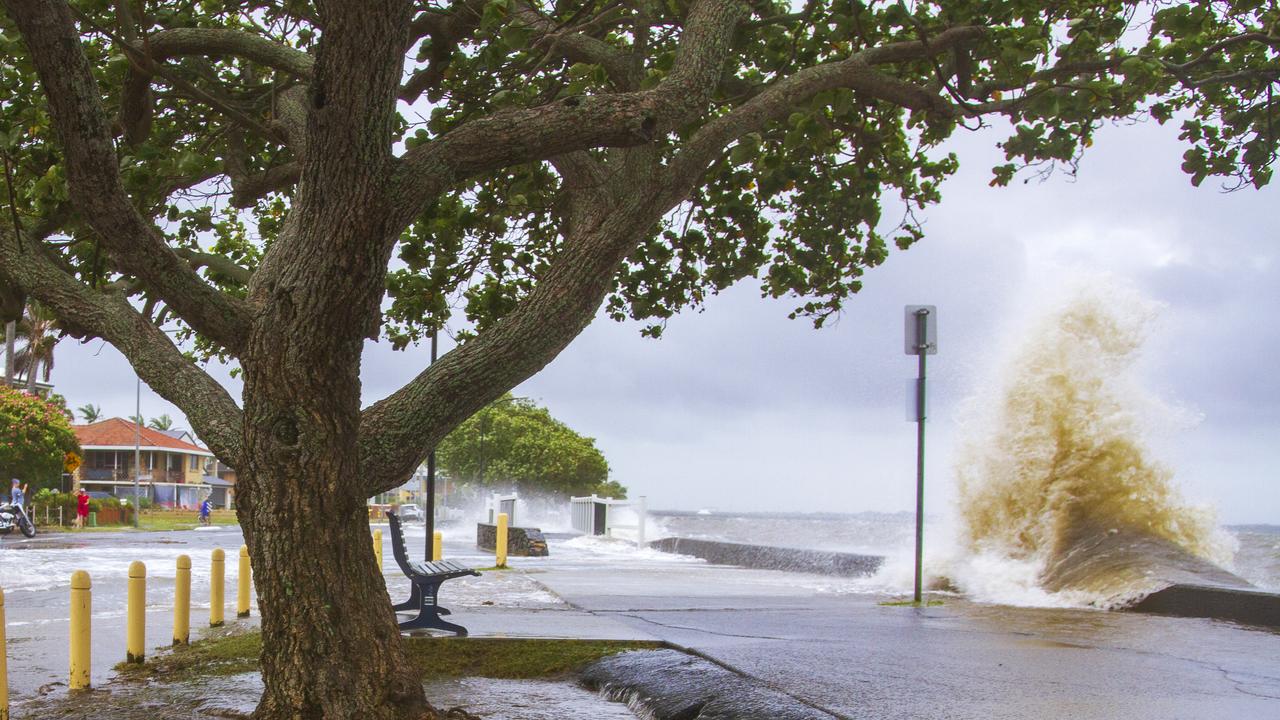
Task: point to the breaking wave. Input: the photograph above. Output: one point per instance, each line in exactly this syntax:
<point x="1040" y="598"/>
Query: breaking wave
<point x="1056" y="487"/>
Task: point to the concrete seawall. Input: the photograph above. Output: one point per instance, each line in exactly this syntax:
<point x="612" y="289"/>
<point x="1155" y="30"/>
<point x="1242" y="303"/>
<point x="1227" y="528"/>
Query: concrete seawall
<point x="1250" y="607"/>
<point x="772" y="558"/>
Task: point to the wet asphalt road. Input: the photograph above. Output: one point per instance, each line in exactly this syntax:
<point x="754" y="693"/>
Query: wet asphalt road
<point x="850" y="655"/>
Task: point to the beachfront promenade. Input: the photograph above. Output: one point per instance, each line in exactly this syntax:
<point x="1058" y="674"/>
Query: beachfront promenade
<point x="812" y="637"/>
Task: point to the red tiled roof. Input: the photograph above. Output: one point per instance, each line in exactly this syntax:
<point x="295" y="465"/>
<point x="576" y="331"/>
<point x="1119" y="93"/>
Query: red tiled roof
<point x="116" y="432"/>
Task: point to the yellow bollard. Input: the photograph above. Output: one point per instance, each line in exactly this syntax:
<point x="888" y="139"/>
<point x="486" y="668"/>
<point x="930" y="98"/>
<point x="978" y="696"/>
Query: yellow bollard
<point x="217" y="602"/>
<point x="437" y="547"/>
<point x="81" y="610"/>
<point x="182" y="602"/>
<point x="136" y="622"/>
<point x="377" y="547"/>
<point x="501" y="545"/>
<point x="4" y="665"/>
<point x="242" y="591"/>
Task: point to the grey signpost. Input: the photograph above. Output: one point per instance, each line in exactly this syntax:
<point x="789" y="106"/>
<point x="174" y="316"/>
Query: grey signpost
<point x="429" y="502"/>
<point x="921" y="341"/>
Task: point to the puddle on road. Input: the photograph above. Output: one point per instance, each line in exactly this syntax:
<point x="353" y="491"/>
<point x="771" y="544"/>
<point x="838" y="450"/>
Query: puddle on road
<point x="235" y="696"/>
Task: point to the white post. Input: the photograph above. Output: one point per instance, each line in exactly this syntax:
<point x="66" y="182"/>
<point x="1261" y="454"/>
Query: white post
<point x="642" y="513"/>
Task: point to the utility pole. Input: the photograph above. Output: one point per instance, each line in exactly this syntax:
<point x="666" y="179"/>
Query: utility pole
<point x="921" y="341"/>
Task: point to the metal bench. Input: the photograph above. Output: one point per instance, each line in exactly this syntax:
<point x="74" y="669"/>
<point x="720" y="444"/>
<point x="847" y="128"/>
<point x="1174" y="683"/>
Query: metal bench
<point x="426" y="578"/>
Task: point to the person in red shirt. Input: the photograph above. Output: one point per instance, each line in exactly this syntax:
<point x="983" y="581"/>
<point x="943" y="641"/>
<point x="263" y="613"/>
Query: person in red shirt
<point x="82" y="507"/>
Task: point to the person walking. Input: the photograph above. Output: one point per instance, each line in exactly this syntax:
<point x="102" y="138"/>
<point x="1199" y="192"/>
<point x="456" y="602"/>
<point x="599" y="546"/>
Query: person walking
<point x="82" y="508"/>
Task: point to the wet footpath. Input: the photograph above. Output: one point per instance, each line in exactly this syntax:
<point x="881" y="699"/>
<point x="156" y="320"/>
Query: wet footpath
<point x="808" y="645"/>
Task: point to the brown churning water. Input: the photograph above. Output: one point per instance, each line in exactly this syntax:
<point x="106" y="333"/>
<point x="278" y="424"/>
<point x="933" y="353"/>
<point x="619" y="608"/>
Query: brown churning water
<point x="1059" y="474"/>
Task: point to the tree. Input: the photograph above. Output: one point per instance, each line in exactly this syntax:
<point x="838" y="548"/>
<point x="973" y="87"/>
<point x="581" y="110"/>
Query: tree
<point x="90" y="412"/>
<point x="568" y="155"/>
<point x="515" y="442"/>
<point x="39" y="330"/>
<point x="164" y="422"/>
<point x="35" y="437"/>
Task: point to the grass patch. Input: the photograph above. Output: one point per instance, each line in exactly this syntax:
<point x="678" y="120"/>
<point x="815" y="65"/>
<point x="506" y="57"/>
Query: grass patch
<point x="228" y="654"/>
<point x="495" y="568"/>
<point x="910" y="603"/>
<point x="183" y="519"/>
<point x="511" y="658"/>
<point x="436" y="657"/>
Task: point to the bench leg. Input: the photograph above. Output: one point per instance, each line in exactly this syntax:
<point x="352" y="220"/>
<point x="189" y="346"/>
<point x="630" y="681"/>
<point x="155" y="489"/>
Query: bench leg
<point x="429" y="612"/>
<point x="413" y="603"/>
<point x="428" y="620"/>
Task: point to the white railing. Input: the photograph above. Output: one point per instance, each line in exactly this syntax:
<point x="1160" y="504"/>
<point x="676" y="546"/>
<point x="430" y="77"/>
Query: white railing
<point x="594" y="515"/>
<point x="502" y="504"/>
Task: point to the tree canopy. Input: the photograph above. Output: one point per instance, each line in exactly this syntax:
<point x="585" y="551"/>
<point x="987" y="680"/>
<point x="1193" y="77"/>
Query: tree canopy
<point x="792" y="143"/>
<point x="35" y="437"/>
<point x="515" y="443"/>
<point x="278" y="182"/>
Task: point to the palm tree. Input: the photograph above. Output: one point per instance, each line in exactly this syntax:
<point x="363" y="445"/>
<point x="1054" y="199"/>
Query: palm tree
<point x="40" y="331"/>
<point x="137" y="420"/>
<point x="164" y="422"/>
<point x="91" y="413"/>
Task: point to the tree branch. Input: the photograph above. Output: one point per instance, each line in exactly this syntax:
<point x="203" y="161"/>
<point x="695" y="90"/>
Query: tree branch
<point x="93" y="175"/>
<point x="619" y="120"/>
<point x="226" y="42"/>
<point x="446" y="31"/>
<point x="780" y="99"/>
<point x="84" y="312"/>
<point x="605" y="224"/>
<point x="575" y="46"/>
<point x="217" y="263"/>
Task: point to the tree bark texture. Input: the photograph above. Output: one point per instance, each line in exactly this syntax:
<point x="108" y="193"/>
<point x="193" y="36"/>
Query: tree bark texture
<point x="331" y="647"/>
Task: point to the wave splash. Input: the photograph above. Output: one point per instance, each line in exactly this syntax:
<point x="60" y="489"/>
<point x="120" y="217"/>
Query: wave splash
<point x="1055" y="480"/>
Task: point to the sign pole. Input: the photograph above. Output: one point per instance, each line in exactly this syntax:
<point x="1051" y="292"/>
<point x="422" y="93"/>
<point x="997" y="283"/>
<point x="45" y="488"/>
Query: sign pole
<point x="922" y="317"/>
<point x="429" y="503"/>
<point x="921" y="341"/>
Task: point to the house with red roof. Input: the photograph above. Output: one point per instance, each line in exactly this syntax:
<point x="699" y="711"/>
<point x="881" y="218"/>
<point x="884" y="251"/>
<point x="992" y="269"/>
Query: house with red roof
<point x="173" y="469"/>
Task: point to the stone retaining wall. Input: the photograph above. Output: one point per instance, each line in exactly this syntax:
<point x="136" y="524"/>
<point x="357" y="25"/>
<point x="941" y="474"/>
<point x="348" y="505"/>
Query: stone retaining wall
<point x="521" y="542"/>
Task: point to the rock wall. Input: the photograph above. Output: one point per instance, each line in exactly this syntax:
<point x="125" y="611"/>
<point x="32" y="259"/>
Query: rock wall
<point x="521" y="542"/>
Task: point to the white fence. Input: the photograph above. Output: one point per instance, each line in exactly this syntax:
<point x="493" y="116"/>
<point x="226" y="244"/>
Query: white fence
<point x="595" y="515"/>
<point x="502" y="504"/>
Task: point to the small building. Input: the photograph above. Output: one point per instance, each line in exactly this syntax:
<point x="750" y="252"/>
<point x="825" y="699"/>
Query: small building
<point x="172" y="473"/>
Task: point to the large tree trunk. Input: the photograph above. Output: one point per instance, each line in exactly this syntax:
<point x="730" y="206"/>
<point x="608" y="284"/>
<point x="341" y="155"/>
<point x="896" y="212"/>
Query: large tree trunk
<point x="331" y="647"/>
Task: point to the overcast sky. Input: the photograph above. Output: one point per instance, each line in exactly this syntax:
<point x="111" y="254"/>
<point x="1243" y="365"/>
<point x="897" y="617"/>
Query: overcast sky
<point x="739" y="408"/>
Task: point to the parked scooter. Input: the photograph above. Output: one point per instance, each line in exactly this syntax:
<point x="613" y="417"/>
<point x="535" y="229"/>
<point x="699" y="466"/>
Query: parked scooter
<point x="13" y="515"/>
